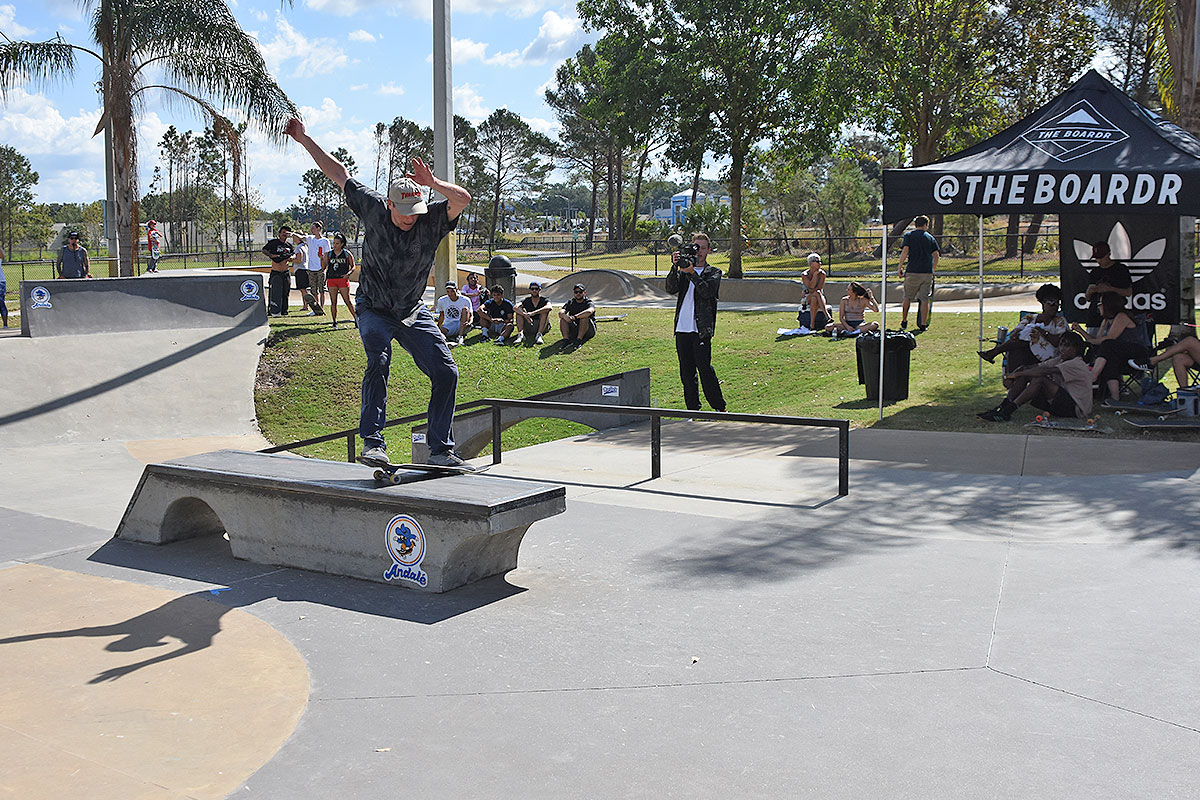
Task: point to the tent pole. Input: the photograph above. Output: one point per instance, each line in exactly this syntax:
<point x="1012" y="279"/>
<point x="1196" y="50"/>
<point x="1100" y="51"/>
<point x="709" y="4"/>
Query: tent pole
<point x="882" y="312"/>
<point x="981" y="297"/>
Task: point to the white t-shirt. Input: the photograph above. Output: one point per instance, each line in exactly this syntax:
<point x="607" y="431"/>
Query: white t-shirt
<point x="687" y="312"/>
<point x="300" y="257"/>
<point x="454" y="310"/>
<point x="317" y="246"/>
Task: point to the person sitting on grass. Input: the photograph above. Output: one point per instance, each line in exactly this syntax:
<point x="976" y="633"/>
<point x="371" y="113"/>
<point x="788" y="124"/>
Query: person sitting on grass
<point x="814" y="294"/>
<point x="533" y="316"/>
<point x="454" y="315"/>
<point x="1183" y="354"/>
<point x="1117" y="342"/>
<point x="496" y="316"/>
<point x="474" y="293"/>
<point x="1035" y="338"/>
<point x="853" y="308"/>
<point x="1061" y="386"/>
<point x="577" y="319"/>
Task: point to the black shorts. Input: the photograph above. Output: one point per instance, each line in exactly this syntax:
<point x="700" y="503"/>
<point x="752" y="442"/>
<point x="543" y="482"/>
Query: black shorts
<point x="1061" y="405"/>
<point x="302" y="279"/>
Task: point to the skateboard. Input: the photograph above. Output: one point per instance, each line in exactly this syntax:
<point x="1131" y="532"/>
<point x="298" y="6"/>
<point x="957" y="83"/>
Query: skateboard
<point x="394" y="473"/>
<point x="1180" y="423"/>
<point x="1161" y="410"/>
<point x="617" y="318"/>
<point x="310" y="300"/>
<point x="1089" y="425"/>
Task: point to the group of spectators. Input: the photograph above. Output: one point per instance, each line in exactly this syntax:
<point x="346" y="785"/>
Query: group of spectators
<point x="461" y="309"/>
<point x="1053" y="366"/>
<point x="321" y="266"/>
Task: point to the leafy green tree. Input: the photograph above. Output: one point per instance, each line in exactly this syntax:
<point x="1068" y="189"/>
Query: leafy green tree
<point x="708" y="217"/>
<point x="322" y="197"/>
<point x="516" y="158"/>
<point x="754" y="69"/>
<point x="406" y="139"/>
<point x="844" y="201"/>
<point x="17" y="180"/>
<point x="34" y="228"/>
<point x="196" y="45"/>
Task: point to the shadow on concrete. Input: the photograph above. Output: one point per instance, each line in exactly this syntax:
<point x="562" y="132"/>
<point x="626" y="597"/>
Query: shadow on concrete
<point x="193" y="620"/>
<point x="210" y="560"/>
<point x="126" y="378"/>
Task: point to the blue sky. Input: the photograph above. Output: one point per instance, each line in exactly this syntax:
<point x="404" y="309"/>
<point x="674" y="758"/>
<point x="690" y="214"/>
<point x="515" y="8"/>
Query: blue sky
<point x="347" y="63"/>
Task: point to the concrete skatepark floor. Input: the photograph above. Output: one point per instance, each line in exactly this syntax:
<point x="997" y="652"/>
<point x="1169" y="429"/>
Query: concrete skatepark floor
<point x="985" y="615"/>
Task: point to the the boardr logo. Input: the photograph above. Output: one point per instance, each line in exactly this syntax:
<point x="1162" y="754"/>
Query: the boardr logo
<point x="1140" y="264"/>
<point x="40" y="297"/>
<point x="1077" y="132"/>
<point x="406" y="544"/>
<point x="250" y="290"/>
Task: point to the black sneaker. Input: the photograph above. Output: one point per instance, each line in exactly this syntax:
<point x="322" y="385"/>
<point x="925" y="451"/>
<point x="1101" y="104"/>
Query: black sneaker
<point x="903" y="324"/>
<point x="993" y="416"/>
<point x="1140" y="366"/>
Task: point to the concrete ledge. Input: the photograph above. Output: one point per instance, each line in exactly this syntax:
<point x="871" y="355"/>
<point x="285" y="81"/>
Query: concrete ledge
<point x="159" y="302"/>
<point x="329" y="516"/>
<point x="473" y="430"/>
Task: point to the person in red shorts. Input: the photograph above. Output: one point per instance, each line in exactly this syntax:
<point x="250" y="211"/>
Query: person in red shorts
<point x="338" y="264"/>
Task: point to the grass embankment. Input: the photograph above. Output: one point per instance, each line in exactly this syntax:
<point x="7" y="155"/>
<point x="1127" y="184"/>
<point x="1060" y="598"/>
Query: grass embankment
<point x="309" y="377"/>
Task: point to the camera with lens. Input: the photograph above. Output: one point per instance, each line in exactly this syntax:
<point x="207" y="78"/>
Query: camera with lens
<point x="688" y="254"/>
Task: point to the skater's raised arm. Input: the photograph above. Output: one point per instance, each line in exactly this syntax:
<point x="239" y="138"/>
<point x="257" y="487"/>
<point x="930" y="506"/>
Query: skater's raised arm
<point x="333" y="169"/>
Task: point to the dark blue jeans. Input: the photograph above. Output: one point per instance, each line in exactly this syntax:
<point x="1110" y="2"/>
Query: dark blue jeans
<point x="425" y="343"/>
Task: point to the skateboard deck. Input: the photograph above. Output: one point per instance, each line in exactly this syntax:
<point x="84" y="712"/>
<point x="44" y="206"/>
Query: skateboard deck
<point x="310" y="300"/>
<point x="1089" y="425"/>
<point x="1161" y="410"/>
<point x="1181" y="423"/>
<point x="616" y="318"/>
<point x="396" y="474"/>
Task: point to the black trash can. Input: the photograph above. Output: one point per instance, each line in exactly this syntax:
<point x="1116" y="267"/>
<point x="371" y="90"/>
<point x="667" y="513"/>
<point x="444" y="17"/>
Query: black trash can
<point x="501" y="272"/>
<point x="897" y="346"/>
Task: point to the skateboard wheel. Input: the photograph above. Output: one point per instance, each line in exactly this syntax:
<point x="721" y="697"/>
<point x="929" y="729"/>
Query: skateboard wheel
<point x="1091" y="421"/>
<point x="395" y="478"/>
<point x="1039" y="418"/>
<point x="379" y="475"/>
<point x="1162" y="418"/>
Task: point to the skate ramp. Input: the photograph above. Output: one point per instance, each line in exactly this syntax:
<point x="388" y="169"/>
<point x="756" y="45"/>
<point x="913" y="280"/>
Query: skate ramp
<point x="604" y="286"/>
<point x="158" y="302"/>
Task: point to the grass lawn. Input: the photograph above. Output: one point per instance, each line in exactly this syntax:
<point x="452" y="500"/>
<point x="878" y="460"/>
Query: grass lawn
<point x="309" y="377"/>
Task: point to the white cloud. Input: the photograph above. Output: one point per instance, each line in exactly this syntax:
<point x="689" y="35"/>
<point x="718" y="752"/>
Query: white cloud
<point x="548" y="127"/>
<point x="469" y="104"/>
<point x="314" y="55"/>
<point x="9" y="24"/>
<point x="322" y="117"/>
<point x="422" y="9"/>
<point x="32" y="124"/>
<point x="555" y="38"/>
<point x="360" y="36"/>
<point x="390" y="88"/>
<point x="259" y="14"/>
<point x="358" y="87"/>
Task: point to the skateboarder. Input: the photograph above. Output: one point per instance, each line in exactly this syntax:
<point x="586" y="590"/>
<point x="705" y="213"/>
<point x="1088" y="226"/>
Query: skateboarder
<point x="402" y="233"/>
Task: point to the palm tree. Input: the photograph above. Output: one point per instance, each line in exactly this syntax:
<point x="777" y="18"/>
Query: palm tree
<point x="188" y="49"/>
<point x="1177" y="49"/>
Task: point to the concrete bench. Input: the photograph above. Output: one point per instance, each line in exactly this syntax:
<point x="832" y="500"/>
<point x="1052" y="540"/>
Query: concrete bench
<point x="330" y="516"/>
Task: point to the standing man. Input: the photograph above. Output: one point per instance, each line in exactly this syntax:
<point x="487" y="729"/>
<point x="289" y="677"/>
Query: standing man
<point x="1108" y="276"/>
<point x="153" y="245"/>
<point x="279" y="281"/>
<point x="577" y="318"/>
<point x="533" y="316"/>
<point x="73" y="259"/>
<point x="317" y="246"/>
<point x="921" y="251"/>
<point x="402" y="234"/>
<point x="454" y="314"/>
<point x="697" y="287"/>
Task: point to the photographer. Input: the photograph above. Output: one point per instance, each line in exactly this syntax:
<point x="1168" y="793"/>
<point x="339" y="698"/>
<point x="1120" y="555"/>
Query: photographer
<point x="697" y="286"/>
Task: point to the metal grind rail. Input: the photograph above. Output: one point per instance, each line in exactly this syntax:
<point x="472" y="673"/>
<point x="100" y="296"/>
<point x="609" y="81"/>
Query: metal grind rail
<point x="656" y="415"/>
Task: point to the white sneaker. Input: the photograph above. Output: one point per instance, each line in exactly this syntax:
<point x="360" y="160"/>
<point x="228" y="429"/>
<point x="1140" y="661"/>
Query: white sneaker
<point x="538" y="340"/>
<point x="520" y="338"/>
<point x="459" y="340"/>
<point x="375" y="456"/>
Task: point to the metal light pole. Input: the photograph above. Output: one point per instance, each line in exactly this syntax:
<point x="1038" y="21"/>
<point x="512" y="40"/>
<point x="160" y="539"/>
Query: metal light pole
<point x="445" y="263"/>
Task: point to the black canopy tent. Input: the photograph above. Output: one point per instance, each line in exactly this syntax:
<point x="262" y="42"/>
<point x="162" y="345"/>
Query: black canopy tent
<point x="1090" y="150"/>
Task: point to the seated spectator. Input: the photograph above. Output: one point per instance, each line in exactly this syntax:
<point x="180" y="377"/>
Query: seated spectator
<point x="577" y="319"/>
<point x="814" y="295"/>
<point x="454" y="315"/>
<point x="533" y="315"/>
<point x="1035" y="338"/>
<point x="1183" y="354"/>
<point x="1061" y="386"/>
<point x="496" y="316"/>
<point x="853" y="309"/>
<point x="474" y="293"/>
<point x="1117" y="343"/>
